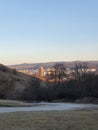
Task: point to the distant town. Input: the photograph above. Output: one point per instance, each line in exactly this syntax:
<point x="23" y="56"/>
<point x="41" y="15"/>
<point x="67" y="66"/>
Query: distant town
<point x="44" y="70"/>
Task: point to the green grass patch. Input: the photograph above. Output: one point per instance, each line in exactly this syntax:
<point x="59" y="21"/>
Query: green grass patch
<point x="51" y="120"/>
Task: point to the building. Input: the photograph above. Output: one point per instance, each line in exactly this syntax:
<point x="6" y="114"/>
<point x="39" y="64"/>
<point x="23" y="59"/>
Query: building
<point x="41" y="71"/>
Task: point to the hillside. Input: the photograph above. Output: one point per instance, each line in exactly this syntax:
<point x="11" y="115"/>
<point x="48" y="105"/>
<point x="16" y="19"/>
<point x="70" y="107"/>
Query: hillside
<point x="15" y="85"/>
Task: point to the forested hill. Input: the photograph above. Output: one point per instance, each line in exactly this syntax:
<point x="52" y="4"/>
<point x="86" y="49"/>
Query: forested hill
<point x="18" y="86"/>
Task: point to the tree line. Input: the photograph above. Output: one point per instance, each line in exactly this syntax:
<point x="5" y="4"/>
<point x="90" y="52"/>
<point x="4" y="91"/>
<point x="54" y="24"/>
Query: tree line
<point x="83" y="84"/>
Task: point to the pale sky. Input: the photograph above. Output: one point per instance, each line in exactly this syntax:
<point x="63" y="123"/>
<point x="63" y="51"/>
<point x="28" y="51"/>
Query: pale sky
<point x="48" y="30"/>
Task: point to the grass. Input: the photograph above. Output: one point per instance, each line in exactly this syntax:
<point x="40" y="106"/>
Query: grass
<point x="51" y="120"/>
<point x="14" y="103"/>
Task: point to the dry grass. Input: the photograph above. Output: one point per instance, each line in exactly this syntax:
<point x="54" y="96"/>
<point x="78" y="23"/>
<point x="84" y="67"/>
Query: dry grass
<point x="52" y="120"/>
<point x="14" y="103"/>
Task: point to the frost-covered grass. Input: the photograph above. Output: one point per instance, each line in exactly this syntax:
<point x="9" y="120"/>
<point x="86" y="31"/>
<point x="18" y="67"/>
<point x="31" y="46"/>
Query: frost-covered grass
<point x="51" y="120"/>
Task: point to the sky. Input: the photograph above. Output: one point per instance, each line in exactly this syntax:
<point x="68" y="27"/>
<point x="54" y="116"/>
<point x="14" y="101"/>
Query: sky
<point x="33" y="31"/>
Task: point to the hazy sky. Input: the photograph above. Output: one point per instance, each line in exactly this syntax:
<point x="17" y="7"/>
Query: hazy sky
<point x="48" y="30"/>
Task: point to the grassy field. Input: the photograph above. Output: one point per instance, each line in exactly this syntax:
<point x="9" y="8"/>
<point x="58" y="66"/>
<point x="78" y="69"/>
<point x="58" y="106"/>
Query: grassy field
<point x="14" y="103"/>
<point x="51" y="120"/>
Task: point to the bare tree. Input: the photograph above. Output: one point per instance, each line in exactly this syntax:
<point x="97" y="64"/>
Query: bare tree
<point x="80" y="72"/>
<point x="58" y="72"/>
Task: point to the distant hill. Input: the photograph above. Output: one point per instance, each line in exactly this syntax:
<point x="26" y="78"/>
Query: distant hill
<point x="15" y="85"/>
<point x="90" y="64"/>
